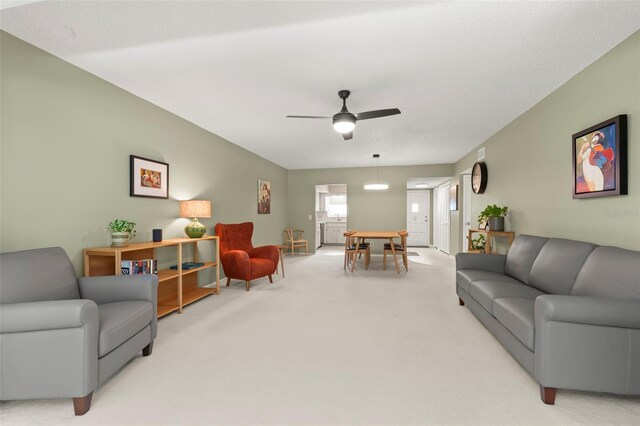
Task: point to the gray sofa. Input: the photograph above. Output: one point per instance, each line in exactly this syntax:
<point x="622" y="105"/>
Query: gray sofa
<point x="63" y="337"/>
<point x="568" y="311"/>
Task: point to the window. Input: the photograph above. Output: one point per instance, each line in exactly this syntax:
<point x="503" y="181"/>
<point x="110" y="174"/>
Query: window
<point x="336" y="205"/>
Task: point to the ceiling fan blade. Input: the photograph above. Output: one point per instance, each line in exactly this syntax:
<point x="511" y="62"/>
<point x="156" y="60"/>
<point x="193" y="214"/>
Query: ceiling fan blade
<point x="306" y="116"/>
<point x="377" y="113"/>
<point x="347" y="136"/>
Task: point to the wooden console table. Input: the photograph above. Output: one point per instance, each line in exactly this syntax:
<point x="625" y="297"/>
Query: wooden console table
<point x="176" y="287"/>
<point x="489" y="235"/>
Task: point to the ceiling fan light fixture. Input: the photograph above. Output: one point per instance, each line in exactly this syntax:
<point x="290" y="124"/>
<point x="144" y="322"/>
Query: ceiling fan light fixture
<point x="344" y="122"/>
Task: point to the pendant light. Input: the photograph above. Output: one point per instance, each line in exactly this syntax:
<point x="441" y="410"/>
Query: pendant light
<point x="376" y="186"/>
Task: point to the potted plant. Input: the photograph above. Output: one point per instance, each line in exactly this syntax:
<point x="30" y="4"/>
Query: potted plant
<point x="494" y="215"/>
<point x="121" y="232"/>
<point x="478" y="243"/>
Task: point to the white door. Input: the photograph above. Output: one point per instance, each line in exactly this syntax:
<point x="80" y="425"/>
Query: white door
<point x="418" y="218"/>
<point x="441" y="214"/>
<point x="466" y="211"/>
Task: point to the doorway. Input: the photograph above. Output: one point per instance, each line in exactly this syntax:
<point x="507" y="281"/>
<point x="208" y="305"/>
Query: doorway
<point x="418" y="218"/>
<point x="466" y="211"/>
<point x="331" y="214"/>
<point x="441" y="217"/>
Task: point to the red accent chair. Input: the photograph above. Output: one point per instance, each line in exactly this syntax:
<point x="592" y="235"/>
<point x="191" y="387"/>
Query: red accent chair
<point x="240" y="260"/>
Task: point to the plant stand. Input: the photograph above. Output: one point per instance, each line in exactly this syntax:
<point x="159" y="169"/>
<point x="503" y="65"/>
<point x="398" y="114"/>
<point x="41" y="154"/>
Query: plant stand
<point x="490" y="234"/>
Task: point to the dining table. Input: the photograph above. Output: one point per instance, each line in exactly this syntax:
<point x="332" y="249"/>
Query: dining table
<point x="361" y="236"/>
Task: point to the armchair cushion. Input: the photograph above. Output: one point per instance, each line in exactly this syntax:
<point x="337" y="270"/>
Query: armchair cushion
<point x="119" y="321"/>
<point x="121" y="288"/>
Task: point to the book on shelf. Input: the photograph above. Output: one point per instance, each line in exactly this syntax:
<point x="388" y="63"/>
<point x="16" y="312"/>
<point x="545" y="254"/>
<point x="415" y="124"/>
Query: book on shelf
<point x="188" y="265"/>
<point x="137" y="267"/>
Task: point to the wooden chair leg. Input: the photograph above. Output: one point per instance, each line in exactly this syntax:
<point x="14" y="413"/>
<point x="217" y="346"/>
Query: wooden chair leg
<point x="228" y="281"/>
<point x="247" y="285"/>
<point x="306" y="248"/>
<point x="270" y="279"/>
<point x="146" y="351"/>
<point x="548" y="395"/>
<point x="384" y="260"/>
<point x="460" y="302"/>
<point x="82" y="404"/>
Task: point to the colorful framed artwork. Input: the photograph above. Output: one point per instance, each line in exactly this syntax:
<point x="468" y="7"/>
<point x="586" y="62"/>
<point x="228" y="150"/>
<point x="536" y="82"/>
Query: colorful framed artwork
<point x="264" y="197"/>
<point x="453" y="201"/>
<point x="600" y="159"/>
<point x="148" y="178"/>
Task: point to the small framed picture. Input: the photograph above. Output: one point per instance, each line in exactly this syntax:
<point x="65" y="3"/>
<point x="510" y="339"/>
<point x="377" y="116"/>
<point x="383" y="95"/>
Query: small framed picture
<point x="600" y="159"/>
<point x="149" y="178"/>
<point x="264" y="196"/>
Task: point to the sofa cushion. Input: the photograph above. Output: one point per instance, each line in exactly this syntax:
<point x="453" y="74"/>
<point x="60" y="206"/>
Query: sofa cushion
<point x="485" y="292"/>
<point x="464" y="277"/>
<point x="522" y="254"/>
<point x="517" y="315"/>
<point x="119" y="321"/>
<point x="609" y="272"/>
<point x="261" y="267"/>
<point x="555" y="269"/>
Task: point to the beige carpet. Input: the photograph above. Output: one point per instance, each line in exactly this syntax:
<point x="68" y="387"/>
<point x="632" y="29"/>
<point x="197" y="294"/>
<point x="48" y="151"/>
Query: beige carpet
<point x="328" y="347"/>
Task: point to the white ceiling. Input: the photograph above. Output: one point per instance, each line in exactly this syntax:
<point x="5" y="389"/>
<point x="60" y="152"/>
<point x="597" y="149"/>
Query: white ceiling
<point x="458" y="71"/>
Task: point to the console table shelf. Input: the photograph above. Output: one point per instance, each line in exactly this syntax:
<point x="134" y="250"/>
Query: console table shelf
<point x="489" y="235"/>
<point x="176" y="287"/>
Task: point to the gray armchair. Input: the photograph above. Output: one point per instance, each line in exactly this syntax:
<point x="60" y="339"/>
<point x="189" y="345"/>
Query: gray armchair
<point x="63" y="337"/>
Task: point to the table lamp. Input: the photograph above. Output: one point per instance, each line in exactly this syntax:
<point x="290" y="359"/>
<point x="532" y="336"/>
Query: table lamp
<point x="195" y="209"/>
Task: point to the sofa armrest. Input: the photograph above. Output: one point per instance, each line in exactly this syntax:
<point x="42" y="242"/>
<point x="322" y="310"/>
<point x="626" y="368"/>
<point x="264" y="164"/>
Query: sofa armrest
<point x="119" y="288"/>
<point x="481" y="261"/>
<point x="587" y="343"/>
<point x="587" y="310"/>
<point x="47" y="315"/>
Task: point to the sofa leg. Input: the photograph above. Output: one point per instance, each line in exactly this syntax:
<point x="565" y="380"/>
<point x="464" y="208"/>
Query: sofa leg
<point x="248" y="285"/>
<point x="270" y="279"/>
<point x="228" y="281"/>
<point x="146" y="351"/>
<point x="460" y="302"/>
<point x="548" y="395"/>
<point x="82" y="404"/>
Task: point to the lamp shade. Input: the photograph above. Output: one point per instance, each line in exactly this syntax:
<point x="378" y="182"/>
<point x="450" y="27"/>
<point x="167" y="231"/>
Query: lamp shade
<point x="195" y="208"/>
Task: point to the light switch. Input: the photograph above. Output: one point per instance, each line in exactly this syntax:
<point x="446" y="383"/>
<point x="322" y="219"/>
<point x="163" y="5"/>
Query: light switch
<point x="309" y="217"/>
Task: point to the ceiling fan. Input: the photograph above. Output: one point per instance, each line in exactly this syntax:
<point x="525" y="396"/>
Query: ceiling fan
<point x="345" y="121"/>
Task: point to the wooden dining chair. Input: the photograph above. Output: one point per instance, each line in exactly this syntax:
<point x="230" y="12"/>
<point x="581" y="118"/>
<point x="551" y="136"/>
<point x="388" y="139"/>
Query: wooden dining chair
<point x="350" y="250"/>
<point x="399" y="248"/>
<point x="293" y="240"/>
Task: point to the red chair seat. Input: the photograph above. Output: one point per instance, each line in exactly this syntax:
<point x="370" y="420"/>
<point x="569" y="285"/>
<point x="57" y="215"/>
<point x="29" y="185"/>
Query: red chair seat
<point x="261" y="267"/>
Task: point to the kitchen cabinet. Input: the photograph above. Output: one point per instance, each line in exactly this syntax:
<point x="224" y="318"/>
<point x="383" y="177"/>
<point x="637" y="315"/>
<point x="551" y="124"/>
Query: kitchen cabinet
<point x="334" y="232"/>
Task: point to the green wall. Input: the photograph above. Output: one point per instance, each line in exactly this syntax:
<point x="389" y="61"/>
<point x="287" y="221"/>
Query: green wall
<point x="529" y="160"/>
<point x="66" y="137"/>
<point x="373" y="210"/>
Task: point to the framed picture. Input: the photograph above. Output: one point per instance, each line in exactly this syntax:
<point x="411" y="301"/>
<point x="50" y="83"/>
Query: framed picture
<point x="600" y="159"/>
<point x="453" y="201"/>
<point x="149" y="178"/>
<point x="264" y="197"/>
